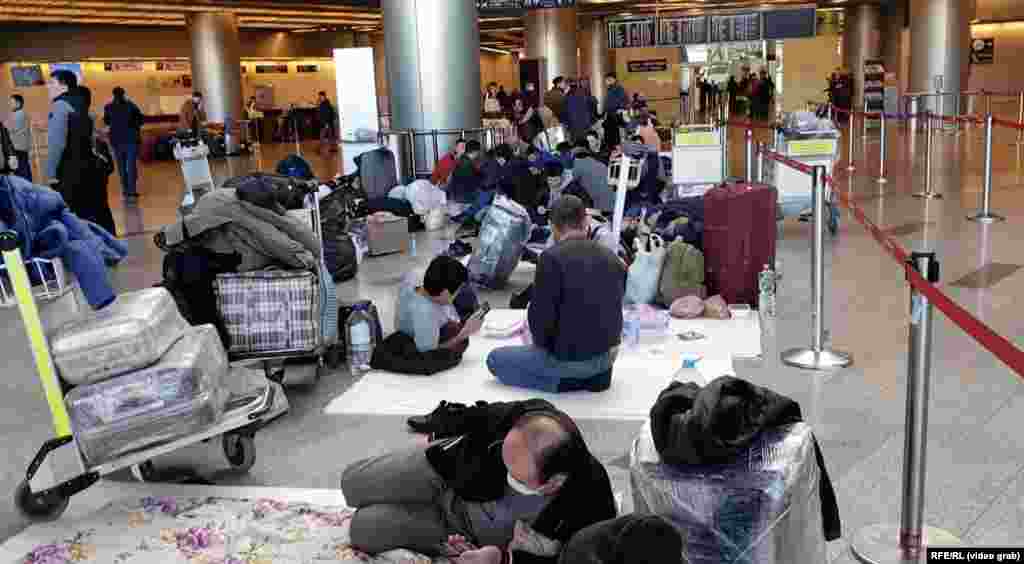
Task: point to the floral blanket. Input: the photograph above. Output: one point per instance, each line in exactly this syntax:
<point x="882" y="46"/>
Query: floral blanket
<point x="208" y="530"/>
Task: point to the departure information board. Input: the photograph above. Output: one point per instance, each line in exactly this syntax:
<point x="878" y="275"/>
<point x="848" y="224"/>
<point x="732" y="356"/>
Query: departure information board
<point x="683" y="31"/>
<point x="788" y="24"/>
<point x="631" y="33"/>
<point x="492" y="5"/>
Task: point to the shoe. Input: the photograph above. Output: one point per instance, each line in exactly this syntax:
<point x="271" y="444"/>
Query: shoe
<point x="442" y="421"/>
<point x="468" y="229"/>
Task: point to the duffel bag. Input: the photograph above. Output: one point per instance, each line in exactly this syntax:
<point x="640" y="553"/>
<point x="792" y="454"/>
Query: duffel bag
<point x="682" y="274"/>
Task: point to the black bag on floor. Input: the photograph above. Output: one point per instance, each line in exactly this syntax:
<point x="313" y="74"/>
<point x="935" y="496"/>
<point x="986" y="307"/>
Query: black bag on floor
<point x="377" y="171"/>
<point x="339" y="250"/>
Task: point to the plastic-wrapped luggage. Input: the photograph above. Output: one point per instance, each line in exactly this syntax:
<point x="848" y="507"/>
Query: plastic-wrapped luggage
<point x="739" y="239"/>
<point x="762" y="508"/>
<point x="503" y="233"/>
<point x="129" y="334"/>
<point x="270" y="310"/>
<point x="180" y="394"/>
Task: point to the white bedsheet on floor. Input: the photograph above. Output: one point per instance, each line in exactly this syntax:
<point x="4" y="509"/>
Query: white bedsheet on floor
<point x="640" y="374"/>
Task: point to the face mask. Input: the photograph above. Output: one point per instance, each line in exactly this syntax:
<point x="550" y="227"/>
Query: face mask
<point x="520" y="487"/>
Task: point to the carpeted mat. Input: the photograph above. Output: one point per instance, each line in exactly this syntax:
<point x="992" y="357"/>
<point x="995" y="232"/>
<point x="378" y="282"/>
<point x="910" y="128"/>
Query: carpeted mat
<point x="640" y="374"/>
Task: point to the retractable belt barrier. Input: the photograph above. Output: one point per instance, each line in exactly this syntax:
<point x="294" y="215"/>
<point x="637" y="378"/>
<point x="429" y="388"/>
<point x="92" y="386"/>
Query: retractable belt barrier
<point x="907" y="540"/>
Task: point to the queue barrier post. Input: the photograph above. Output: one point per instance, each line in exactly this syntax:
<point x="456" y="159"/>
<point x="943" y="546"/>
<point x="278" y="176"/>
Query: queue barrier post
<point x="760" y="163"/>
<point x="883" y="543"/>
<point x="986" y="215"/>
<point x="928" y="194"/>
<point x="882" y="149"/>
<point x="850" y="144"/>
<point x="817" y="357"/>
<point x="1020" y="118"/>
<point x="864" y="123"/>
<point x="750" y="154"/>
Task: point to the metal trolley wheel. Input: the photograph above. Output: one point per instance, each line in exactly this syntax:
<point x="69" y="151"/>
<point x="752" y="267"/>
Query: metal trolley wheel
<point x="240" y="450"/>
<point x="37" y="509"/>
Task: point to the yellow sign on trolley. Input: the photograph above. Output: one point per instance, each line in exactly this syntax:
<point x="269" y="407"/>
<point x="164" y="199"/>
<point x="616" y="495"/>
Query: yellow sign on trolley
<point x="812" y="147"/>
<point x="695" y="139"/>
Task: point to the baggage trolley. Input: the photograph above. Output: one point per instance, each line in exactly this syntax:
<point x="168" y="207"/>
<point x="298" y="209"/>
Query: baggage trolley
<point x="237" y="425"/>
<point x="813" y="148"/>
<point x="699" y="154"/>
<point x="325" y="355"/>
<point x="193" y="155"/>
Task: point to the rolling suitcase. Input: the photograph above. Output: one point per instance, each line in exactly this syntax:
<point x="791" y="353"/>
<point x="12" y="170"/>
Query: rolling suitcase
<point x="739" y="239"/>
<point x="129" y="334"/>
<point x="182" y="393"/>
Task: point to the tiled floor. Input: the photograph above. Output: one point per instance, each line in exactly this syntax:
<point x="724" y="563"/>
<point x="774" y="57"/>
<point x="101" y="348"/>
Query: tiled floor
<point x="976" y="452"/>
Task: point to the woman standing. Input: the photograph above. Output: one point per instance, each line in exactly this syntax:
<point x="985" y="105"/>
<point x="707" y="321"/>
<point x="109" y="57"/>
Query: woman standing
<point x="492" y="105"/>
<point x="21" y="137"/>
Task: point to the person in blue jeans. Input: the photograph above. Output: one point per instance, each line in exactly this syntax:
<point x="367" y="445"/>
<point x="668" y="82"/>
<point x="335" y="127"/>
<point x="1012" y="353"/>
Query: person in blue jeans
<point x="575" y="313"/>
<point x="125" y="121"/>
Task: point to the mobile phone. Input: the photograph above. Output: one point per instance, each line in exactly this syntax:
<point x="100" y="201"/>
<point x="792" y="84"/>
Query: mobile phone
<point x="482" y="312"/>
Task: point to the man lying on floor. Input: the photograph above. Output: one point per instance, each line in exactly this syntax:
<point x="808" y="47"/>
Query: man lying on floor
<point x="575" y="312"/>
<point x="505" y="480"/>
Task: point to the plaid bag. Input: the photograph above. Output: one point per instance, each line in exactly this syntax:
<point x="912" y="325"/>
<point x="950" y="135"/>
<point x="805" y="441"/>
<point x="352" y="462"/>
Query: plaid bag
<point x="270" y="310"/>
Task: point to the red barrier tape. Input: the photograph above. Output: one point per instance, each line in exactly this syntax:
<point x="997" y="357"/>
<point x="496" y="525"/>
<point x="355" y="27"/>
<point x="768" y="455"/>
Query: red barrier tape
<point x="804" y="168"/>
<point x="1005" y="123"/>
<point x="998" y="345"/>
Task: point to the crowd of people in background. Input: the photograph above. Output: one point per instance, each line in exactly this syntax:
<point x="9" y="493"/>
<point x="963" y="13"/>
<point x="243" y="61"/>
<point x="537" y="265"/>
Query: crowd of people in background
<point x="753" y="94"/>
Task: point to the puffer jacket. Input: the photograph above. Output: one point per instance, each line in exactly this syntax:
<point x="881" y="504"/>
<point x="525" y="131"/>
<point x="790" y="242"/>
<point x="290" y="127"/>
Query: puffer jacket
<point x="47" y="229"/>
<point x="227" y="225"/>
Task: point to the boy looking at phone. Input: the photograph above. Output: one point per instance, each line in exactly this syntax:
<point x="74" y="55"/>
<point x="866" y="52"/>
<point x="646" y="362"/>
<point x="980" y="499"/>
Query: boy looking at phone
<point x="428" y="306"/>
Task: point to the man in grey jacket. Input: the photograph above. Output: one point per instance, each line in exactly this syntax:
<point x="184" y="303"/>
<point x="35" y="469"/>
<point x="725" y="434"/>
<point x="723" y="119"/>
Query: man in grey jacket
<point x="21" y="137"/>
<point x="69" y="137"/>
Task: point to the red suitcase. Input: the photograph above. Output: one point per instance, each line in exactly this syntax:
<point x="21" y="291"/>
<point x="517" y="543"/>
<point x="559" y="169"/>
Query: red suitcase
<point x="739" y="239"/>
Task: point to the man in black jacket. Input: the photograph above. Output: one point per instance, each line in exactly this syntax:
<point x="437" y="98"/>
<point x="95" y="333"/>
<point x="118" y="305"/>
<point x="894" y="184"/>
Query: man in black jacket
<point x="501" y="470"/>
<point x="575" y="313"/>
<point x="125" y="121"/>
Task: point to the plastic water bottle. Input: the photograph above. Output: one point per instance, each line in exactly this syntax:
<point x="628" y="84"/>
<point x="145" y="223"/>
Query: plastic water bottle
<point x="631" y="332"/>
<point x="361" y="340"/>
<point x="688" y="372"/>
<point x="412" y="244"/>
<point x="766" y="285"/>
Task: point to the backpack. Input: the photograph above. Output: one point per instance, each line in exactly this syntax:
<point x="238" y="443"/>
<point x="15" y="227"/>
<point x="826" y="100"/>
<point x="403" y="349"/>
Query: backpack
<point x="682" y="274"/>
<point x="295" y="167"/>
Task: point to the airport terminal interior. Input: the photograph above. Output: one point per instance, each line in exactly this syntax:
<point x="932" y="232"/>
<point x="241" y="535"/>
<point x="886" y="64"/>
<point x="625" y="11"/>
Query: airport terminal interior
<point x="878" y="129"/>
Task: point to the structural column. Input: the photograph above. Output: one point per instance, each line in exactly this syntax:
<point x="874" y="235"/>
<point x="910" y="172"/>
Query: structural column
<point x="862" y="41"/>
<point x="432" y="48"/>
<point x="551" y="36"/>
<point x="216" y="63"/>
<point x="940" y="34"/>
<point x="595" y="63"/>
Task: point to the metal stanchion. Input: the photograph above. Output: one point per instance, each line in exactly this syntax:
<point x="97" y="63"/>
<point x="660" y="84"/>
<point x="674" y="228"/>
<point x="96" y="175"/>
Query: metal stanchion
<point x="956" y="114"/>
<point x="750" y="155"/>
<point x="760" y="163"/>
<point x="881" y="150"/>
<point x="849" y="141"/>
<point x="883" y="544"/>
<point x="928" y="194"/>
<point x="724" y="141"/>
<point x="864" y="123"/>
<point x="986" y="215"/>
<point x="988" y="103"/>
<point x="913" y="109"/>
<point x="830" y="112"/>
<point x="1020" y="119"/>
<point x="817" y="357"/>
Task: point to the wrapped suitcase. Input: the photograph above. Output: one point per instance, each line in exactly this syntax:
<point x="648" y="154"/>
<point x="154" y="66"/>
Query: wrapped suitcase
<point x="180" y="394"/>
<point x="762" y="508"/>
<point x="502" y="235"/>
<point x="129" y="334"/>
<point x="269" y="311"/>
<point x="739" y="239"/>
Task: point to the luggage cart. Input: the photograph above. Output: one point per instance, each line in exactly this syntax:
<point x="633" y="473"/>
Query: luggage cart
<point x="193" y="155"/>
<point x="237" y="425"/>
<point x="699" y="155"/>
<point x="325" y="355"/>
<point x="813" y="148"/>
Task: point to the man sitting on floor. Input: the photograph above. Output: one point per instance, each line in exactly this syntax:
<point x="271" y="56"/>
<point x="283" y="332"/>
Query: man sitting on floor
<point x="431" y="305"/>
<point x="575" y="313"/>
<point x="506" y="479"/>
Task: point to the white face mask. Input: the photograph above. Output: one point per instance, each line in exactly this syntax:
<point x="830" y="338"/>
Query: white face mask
<point x="520" y="487"/>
